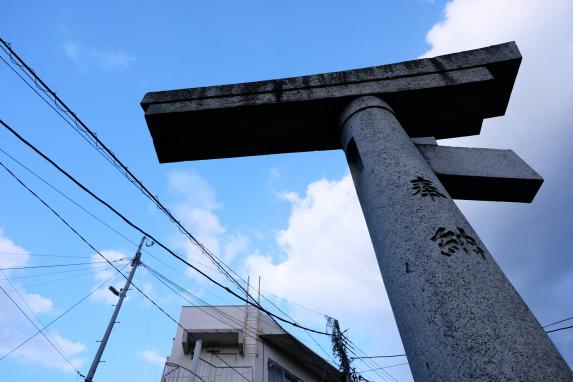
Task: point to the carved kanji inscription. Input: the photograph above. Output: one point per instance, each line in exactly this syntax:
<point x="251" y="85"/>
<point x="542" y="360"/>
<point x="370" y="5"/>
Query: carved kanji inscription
<point x="453" y="242"/>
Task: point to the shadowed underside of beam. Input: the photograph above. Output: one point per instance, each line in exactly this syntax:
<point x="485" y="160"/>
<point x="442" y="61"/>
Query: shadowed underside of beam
<point x="446" y="96"/>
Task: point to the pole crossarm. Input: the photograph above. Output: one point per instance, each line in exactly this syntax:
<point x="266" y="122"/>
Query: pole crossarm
<point x="446" y="96"/>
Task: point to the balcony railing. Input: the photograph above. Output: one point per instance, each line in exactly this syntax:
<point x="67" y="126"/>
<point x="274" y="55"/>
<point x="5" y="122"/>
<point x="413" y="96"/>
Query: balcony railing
<point x="207" y="372"/>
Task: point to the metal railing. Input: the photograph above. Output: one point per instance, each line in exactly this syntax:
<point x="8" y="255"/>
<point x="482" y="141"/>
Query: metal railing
<point x="206" y="372"/>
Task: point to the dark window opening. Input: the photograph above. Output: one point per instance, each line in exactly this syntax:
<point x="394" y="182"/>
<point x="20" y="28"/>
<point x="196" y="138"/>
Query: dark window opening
<point x="353" y="156"/>
<point x="278" y="373"/>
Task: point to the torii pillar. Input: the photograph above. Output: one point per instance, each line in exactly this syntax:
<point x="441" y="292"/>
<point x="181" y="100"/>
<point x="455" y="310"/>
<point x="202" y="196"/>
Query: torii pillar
<point x="459" y="317"/>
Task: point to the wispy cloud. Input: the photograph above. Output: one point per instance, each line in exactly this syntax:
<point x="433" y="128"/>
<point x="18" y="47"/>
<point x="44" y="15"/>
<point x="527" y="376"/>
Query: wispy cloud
<point x="152" y="357"/>
<point x="14" y="329"/>
<point x="197" y="207"/>
<point x="90" y="58"/>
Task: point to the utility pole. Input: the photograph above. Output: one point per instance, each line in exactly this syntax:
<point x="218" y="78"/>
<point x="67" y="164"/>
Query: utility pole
<point x="339" y="349"/>
<point x="122" y="293"/>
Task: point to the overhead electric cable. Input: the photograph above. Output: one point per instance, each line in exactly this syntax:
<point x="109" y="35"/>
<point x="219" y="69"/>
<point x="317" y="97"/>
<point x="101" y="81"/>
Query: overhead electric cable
<point x="81" y="237"/>
<point x="56" y="265"/>
<point x="14" y="57"/>
<point x="216" y="313"/>
<point x="48" y="102"/>
<point x="371" y="363"/>
<point x="380" y="356"/>
<point x="558" y="322"/>
<point x="126" y="172"/>
<point x="66" y="196"/>
<point x="31" y="311"/>
<point x="43" y="334"/>
<point x="60" y="315"/>
<point x="27" y="276"/>
<point x="558" y="329"/>
<point x="136" y="227"/>
<point x="384" y="367"/>
<point x="208" y="309"/>
<point x="109" y="262"/>
<point x="114" y="230"/>
<point x="41" y="255"/>
<point x="82" y="274"/>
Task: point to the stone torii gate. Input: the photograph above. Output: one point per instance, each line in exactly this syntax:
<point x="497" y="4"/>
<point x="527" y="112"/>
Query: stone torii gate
<point x="459" y="317"/>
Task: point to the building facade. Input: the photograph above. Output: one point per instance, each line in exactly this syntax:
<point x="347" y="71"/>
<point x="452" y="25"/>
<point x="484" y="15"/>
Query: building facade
<point x="240" y="344"/>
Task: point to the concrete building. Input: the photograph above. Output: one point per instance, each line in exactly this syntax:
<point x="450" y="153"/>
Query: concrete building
<point x="240" y="344"/>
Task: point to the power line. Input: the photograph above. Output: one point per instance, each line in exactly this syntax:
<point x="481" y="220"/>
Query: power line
<point x="380" y="356"/>
<point x="136" y="227"/>
<point x="131" y="224"/>
<point x="161" y="278"/>
<point x="67" y="197"/>
<point x="51" y="102"/>
<point x="214" y="312"/>
<point x="40" y="84"/>
<point x="81" y="237"/>
<point x="558" y="322"/>
<point x="32" y="313"/>
<point x="110" y="156"/>
<point x="384" y="367"/>
<point x="91" y="214"/>
<point x="55" y="273"/>
<point x="559" y="329"/>
<point x="103" y="149"/>
<point x="368" y="362"/>
<point x="218" y="314"/>
<point x="55" y="265"/>
<point x="59" y="316"/>
<point x="41" y="255"/>
<point x="82" y="274"/>
<point x="208" y="309"/>
<point x="43" y="334"/>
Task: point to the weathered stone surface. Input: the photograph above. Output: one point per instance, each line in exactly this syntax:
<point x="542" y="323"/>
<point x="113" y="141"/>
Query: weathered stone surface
<point x="482" y="174"/>
<point x="446" y="96"/>
<point x="459" y="317"/>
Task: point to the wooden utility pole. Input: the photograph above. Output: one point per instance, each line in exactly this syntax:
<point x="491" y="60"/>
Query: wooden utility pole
<point x="122" y="294"/>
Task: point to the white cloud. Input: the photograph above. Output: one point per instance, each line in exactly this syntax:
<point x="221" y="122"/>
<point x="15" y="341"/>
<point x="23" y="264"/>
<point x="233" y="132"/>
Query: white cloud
<point x="274" y="173"/>
<point x="11" y="255"/>
<point x="326" y="262"/>
<point x="38" y="304"/>
<point x="39" y="351"/>
<point x="152" y="357"/>
<point x="236" y="243"/>
<point x="197" y="208"/>
<point x="92" y="58"/>
<point x="14" y="327"/>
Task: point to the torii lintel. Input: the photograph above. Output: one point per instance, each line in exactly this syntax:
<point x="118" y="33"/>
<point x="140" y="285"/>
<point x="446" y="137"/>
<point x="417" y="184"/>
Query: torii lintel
<point x="444" y="97"/>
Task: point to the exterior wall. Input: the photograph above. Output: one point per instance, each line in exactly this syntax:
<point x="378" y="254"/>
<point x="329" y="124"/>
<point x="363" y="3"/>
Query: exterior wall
<point x="201" y="318"/>
<point x="256" y="353"/>
<point x="269" y="352"/>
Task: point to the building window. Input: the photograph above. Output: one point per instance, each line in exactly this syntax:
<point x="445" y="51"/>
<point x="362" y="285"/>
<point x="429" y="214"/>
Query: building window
<point x="278" y="374"/>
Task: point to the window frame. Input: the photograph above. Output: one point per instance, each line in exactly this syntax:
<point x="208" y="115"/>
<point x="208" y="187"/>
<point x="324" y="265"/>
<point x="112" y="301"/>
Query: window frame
<point x="285" y="372"/>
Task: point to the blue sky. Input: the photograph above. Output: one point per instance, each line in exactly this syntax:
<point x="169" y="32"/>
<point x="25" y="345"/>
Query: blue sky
<point x="288" y="218"/>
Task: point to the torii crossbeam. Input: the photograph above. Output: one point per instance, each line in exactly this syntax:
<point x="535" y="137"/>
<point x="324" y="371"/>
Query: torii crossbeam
<point x="459" y="317"/>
